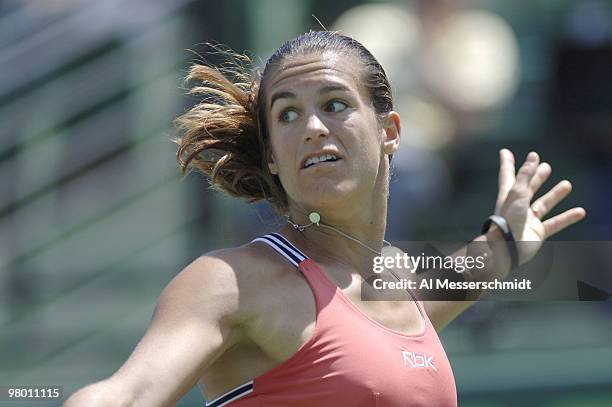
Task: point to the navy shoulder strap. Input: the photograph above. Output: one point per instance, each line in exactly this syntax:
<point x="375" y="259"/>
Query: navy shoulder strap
<point x="231" y="395"/>
<point x="284" y="247"/>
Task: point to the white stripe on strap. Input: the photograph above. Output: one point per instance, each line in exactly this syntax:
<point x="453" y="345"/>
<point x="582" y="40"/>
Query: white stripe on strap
<point x="288" y="245"/>
<point x="283" y="247"/>
<point x="280" y="251"/>
<point x="232" y="395"/>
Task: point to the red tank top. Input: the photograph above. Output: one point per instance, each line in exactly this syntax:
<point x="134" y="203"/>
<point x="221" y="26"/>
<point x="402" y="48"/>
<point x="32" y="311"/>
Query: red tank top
<point x="350" y="360"/>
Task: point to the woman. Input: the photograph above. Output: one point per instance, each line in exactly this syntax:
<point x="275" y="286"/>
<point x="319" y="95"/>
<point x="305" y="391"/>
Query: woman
<point x="279" y="321"/>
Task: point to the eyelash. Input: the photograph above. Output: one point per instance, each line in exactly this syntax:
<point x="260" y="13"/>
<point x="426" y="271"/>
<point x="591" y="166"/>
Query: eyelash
<point x="346" y="105"/>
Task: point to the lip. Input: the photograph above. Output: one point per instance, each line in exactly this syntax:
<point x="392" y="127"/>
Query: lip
<point x="319" y="153"/>
<point x="326" y="164"/>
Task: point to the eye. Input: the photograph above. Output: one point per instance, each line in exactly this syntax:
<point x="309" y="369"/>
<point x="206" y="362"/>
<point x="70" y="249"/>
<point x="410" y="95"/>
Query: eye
<point x="288" y="116"/>
<point x="335" y="106"/>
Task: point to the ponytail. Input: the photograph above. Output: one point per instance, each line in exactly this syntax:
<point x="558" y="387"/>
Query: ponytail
<point x="221" y="135"/>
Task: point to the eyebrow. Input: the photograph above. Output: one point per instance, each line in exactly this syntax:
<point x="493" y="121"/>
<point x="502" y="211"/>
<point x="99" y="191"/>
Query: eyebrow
<point x="291" y="95"/>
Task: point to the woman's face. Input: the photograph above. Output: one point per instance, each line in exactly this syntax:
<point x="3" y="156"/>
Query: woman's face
<point x="318" y="110"/>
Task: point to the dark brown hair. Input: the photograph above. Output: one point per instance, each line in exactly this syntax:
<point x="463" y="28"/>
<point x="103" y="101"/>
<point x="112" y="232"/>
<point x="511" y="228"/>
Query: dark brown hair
<point x="225" y="135"/>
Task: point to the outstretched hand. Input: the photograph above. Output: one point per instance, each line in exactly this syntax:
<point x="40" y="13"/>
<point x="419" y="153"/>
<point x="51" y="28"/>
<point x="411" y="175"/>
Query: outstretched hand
<point x="514" y="202"/>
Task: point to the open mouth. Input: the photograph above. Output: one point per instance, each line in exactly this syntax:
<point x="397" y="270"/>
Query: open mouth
<point x="323" y="158"/>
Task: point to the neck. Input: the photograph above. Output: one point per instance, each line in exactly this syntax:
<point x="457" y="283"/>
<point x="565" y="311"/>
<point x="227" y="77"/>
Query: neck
<point x="365" y="223"/>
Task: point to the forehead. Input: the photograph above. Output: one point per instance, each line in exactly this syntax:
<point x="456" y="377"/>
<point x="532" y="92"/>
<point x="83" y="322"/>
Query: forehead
<point x="315" y="70"/>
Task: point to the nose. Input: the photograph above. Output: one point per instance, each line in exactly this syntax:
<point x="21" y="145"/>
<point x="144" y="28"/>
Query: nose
<point x="315" y="128"/>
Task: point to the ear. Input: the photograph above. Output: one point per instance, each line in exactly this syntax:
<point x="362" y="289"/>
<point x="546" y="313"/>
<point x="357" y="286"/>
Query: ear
<point x="391" y="128"/>
<point x="271" y="163"/>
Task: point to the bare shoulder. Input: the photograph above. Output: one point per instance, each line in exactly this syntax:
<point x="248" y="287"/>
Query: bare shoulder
<point x="232" y="278"/>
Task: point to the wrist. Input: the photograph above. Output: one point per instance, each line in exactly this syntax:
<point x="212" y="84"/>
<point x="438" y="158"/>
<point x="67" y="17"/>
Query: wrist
<point x="503" y="227"/>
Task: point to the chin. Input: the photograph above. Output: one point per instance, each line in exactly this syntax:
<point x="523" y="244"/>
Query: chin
<point x="334" y="198"/>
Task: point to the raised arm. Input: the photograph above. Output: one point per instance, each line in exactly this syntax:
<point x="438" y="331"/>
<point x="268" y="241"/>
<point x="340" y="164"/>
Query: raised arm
<point x="525" y="219"/>
<point x="195" y="321"/>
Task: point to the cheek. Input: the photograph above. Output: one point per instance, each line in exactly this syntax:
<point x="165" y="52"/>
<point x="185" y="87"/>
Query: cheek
<point x="282" y="152"/>
<point x="366" y="140"/>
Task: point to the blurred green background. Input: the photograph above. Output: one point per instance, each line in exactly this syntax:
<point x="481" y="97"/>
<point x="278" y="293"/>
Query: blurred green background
<point x="95" y="219"/>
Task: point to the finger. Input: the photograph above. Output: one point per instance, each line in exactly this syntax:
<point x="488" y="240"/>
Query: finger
<point x="506" y="173"/>
<point x="541" y="175"/>
<point x="549" y="200"/>
<point x="557" y="223"/>
<point x="527" y="170"/>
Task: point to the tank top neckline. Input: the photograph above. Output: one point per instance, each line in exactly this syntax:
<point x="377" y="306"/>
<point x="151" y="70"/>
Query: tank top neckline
<point x="340" y="294"/>
<point x="283" y="246"/>
<point x="313" y="265"/>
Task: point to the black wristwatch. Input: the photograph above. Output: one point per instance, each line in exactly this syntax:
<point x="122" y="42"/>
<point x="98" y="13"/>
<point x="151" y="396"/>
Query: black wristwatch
<point x="508" y="236"/>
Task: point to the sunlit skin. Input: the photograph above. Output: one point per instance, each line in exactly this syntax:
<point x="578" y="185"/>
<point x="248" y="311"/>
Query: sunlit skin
<point x="212" y="321"/>
<point x="314" y="116"/>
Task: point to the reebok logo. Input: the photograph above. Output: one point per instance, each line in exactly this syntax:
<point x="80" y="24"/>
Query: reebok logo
<point x="414" y="359"/>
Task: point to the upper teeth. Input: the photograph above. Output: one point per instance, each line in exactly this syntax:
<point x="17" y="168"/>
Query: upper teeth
<point x="314" y="160"/>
